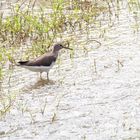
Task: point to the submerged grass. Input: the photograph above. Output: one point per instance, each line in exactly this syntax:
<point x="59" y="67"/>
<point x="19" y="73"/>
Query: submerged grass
<point x="134" y="8"/>
<point x="28" y="32"/>
<point x="38" y="30"/>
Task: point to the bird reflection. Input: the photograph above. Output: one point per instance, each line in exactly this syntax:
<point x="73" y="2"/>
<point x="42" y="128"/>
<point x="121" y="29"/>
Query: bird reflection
<point x="40" y="83"/>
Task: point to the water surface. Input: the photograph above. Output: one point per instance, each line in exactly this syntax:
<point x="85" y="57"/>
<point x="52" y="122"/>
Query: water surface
<point x="94" y="95"/>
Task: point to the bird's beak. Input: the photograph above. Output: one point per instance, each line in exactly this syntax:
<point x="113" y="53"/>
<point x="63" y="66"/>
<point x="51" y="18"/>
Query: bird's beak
<point x="67" y="48"/>
<point x="67" y="44"/>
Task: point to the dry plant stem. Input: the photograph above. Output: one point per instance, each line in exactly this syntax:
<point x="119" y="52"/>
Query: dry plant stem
<point x="53" y="118"/>
<point x="95" y="67"/>
<point x="119" y="65"/>
<point x="44" y="107"/>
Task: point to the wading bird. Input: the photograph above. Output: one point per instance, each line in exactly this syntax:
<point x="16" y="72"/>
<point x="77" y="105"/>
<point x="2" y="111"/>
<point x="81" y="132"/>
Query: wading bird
<point x="43" y="63"/>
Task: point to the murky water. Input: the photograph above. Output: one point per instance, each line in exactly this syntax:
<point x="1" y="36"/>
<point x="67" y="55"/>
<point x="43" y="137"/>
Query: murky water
<point x="93" y="96"/>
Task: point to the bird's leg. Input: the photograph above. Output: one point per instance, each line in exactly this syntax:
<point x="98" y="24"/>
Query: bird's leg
<point x="40" y="75"/>
<point x="48" y="76"/>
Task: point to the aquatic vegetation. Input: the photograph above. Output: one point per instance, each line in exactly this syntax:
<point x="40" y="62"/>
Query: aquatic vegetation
<point x="29" y="32"/>
<point x="38" y="30"/>
<point x="134" y="7"/>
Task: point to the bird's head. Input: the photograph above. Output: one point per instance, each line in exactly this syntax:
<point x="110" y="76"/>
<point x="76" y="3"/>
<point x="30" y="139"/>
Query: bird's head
<point x="58" y="47"/>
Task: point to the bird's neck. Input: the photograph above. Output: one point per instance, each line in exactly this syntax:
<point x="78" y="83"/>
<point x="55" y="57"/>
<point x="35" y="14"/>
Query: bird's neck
<point x="55" y="53"/>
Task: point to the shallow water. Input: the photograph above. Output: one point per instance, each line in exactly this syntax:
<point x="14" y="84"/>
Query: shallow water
<point x="81" y="101"/>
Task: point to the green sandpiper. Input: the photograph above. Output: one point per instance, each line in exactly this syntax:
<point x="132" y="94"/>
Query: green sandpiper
<point x="45" y="62"/>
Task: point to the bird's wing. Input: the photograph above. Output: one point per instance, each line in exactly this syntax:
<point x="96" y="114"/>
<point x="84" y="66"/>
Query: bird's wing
<point x="45" y="60"/>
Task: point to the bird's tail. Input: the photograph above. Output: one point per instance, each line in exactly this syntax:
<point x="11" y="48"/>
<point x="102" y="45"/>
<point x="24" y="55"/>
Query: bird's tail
<point x="22" y="63"/>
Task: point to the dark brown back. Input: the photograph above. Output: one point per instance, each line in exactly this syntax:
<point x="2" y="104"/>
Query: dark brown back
<point x="44" y="60"/>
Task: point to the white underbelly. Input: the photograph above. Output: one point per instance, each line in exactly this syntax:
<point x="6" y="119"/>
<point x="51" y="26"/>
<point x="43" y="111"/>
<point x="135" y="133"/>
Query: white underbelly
<point x="38" y="68"/>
